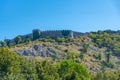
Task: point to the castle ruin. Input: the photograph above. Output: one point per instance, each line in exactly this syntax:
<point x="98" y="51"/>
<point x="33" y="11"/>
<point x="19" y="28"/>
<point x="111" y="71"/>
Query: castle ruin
<point x="54" y="34"/>
<point x="36" y="33"/>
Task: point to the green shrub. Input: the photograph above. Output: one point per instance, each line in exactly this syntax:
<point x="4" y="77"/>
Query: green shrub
<point x="70" y="70"/>
<point x="18" y="39"/>
<point x="60" y="40"/>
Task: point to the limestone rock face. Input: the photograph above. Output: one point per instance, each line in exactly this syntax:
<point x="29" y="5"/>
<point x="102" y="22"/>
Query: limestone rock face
<point x="38" y="50"/>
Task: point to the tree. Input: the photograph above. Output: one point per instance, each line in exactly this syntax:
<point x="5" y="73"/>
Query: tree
<point x="54" y="56"/>
<point x="85" y="47"/>
<point x="70" y="70"/>
<point x="72" y="55"/>
<point x="9" y="62"/>
<point x="46" y="71"/>
<point x="81" y="56"/>
<point x="97" y="56"/>
<point x="109" y="75"/>
<point x="13" y="77"/>
<point x="28" y="69"/>
<point x="108" y="56"/>
<point x="27" y="40"/>
<point x="60" y="40"/>
<point x="7" y="41"/>
<point x="18" y="39"/>
<point x="2" y="43"/>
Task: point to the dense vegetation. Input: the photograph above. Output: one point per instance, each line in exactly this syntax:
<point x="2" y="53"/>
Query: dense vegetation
<point x="14" y="67"/>
<point x="110" y="41"/>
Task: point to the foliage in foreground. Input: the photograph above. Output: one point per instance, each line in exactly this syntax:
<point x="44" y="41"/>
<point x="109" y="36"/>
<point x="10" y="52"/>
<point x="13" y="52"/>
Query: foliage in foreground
<point x="111" y="75"/>
<point x="14" y="67"/>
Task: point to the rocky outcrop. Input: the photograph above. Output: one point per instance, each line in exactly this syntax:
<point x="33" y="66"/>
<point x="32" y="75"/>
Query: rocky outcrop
<point x="39" y="50"/>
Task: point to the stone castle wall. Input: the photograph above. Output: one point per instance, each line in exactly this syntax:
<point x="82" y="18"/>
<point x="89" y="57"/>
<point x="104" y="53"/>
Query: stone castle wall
<point x="54" y="34"/>
<point x="51" y="34"/>
<point x="75" y="34"/>
<point x="24" y="37"/>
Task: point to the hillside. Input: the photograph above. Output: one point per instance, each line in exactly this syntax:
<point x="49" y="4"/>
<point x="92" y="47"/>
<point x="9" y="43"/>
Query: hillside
<point x="93" y="57"/>
<point x="97" y="51"/>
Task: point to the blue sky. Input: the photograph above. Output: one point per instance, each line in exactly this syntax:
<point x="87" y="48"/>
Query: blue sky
<point x="18" y="17"/>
